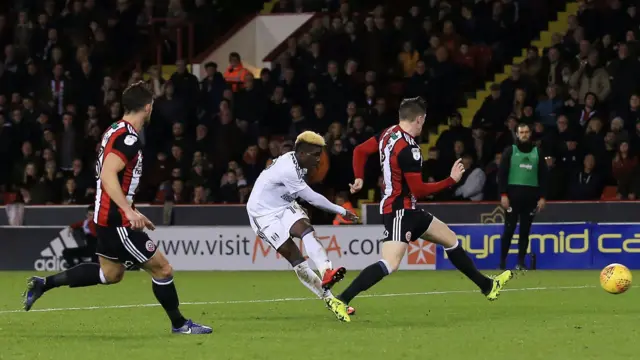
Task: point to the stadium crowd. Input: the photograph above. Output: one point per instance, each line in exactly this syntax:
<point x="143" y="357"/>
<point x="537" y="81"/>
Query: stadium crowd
<point x="208" y="140"/>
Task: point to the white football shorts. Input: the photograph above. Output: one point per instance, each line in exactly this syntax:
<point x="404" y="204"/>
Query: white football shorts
<point x="275" y="228"/>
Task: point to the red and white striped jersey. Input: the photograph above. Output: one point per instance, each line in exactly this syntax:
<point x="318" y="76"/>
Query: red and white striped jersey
<point x="122" y="140"/>
<point x="399" y="154"/>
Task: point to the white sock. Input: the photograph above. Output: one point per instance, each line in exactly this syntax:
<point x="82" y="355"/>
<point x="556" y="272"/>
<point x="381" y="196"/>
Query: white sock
<point x="310" y="279"/>
<point x="103" y="279"/>
<point x="317" y="253"/>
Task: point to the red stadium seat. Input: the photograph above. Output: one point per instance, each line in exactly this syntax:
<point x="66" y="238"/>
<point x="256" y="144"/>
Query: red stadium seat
<point x="9" y="198"/>
<point x="609" y="193"/>
<point x="483" y="55"/>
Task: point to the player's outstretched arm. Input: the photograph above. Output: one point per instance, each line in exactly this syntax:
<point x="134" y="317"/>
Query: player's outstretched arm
<point x="420" y="189"/>
<point x="360" y="155"/>
<point x="111" y="166"/>
<point x="410" y="161"/>
<point x="320" y="201"/>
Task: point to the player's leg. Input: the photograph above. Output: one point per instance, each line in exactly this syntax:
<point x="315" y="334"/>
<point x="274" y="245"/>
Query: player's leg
<point x="510" y="223"/>
<point x="310" y="279"/>
<point x="109" y="271"/>
<point x="439" y="233"/>
<point x="306" y="275"/>
<point x="392" y="254"/>
<point x="296" y="223"/>
<point x="393" y="250"/>
<point x="303" y="229"/>
<point x="144" y="251"/>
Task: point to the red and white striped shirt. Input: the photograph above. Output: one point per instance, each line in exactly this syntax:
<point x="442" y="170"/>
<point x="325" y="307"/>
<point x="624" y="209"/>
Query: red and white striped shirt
<point x="122" y="140"/>
<point x="401" y="162"/>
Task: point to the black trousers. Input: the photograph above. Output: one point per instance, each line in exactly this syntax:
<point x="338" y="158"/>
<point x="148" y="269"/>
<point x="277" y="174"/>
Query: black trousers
<point x="523" y="208"/>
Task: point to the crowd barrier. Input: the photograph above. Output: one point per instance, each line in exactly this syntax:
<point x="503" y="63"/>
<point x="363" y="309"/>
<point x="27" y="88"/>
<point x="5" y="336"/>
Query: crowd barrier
<point x="557" y="246"/>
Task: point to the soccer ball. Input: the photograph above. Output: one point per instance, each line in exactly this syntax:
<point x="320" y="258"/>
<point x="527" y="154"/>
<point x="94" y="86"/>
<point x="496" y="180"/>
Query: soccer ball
<point x="615" y="279"/>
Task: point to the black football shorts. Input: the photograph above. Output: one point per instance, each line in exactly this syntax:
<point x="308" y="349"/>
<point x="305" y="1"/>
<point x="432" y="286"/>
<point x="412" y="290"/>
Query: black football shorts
<point x="124" y="245"/>
<point x="406" y="225"/>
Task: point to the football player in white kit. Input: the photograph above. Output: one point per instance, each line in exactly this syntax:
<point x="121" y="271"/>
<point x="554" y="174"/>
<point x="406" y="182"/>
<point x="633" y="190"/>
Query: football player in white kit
<point x="276" y="217"/>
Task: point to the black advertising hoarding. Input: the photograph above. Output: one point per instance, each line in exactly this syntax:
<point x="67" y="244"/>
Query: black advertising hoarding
<point x="33" y="248"/>
<point x="236" y="215"/>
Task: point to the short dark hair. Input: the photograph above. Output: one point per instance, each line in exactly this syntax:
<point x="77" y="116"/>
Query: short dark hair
<point x="411" y="108"/>
<point x="524" y="124"/>
<point x="135" y="97"/>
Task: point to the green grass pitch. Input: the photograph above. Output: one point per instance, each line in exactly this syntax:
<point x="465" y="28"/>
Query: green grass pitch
<point x="269" y="315"/>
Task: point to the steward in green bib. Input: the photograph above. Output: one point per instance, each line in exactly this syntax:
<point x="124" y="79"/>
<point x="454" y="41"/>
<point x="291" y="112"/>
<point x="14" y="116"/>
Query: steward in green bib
<point x="522" y="181"/>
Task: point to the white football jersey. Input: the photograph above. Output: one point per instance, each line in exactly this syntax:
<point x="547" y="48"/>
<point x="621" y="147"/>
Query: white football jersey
<point x="277" y="186"/>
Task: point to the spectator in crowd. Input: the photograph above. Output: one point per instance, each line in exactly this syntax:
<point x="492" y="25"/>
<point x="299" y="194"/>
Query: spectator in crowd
<point x="625" y="168"/>
<point x="342" y="77"/>
<point x="585" y="184"/>
<point x="472" y="184"/>
<point x="86" y="230"/>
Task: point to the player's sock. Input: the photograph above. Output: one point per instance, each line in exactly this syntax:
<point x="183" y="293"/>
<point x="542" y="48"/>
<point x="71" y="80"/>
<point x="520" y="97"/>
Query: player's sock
<point x="370" y="276"/>
<point x="165" y="292"/>
<point x="310" y="279"/>
<point x="463" y="262"/>
<point x="85" y="274"/>
<point x="316" y="251"/>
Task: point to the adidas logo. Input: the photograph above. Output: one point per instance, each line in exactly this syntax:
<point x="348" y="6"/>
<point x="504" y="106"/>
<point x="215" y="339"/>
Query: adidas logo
<point x="51" y="256"/>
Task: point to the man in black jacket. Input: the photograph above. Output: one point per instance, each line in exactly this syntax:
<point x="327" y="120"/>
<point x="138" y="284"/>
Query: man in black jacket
<point x="522" y="181"/>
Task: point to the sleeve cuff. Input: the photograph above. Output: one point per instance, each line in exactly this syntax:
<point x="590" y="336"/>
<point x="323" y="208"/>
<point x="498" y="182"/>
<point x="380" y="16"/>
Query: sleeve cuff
<point x="120" y="155"/>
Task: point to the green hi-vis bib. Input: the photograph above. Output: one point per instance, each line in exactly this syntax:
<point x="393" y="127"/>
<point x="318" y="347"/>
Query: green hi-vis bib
<point x="524" y="167"/>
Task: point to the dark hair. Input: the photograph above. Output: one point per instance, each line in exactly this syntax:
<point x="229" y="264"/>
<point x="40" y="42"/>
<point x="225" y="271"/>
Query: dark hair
<point x="90" y="208"/>
<point x="304" y="146"/>
<point x="411" y="108"/>
<point x="135" y="97"/>
<point x="523" y="124"/>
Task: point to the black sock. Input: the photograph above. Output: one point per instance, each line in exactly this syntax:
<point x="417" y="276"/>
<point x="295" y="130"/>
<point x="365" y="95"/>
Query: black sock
<point x="86" y="274"/>
<point x="463" y="262"/>
<point x="165" y="292"/>
<point x="370" y="276"/>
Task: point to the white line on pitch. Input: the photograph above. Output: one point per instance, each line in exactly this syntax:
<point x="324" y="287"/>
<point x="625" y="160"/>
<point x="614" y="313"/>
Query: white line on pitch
<point x="289" y="299"/>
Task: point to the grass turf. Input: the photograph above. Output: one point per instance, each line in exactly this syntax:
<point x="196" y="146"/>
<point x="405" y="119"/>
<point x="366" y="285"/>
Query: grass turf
<point x="434" y="315"/>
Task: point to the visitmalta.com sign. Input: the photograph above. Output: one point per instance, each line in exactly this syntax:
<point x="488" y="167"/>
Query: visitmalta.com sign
<point x="238" y="248"/>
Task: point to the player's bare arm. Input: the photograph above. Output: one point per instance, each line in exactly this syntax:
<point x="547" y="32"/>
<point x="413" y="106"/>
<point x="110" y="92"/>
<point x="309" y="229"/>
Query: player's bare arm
<point x="109" y="176"/>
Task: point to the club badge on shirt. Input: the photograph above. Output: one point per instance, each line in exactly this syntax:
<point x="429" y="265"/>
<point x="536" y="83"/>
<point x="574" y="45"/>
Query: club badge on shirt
<point x="416" y="154"/>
